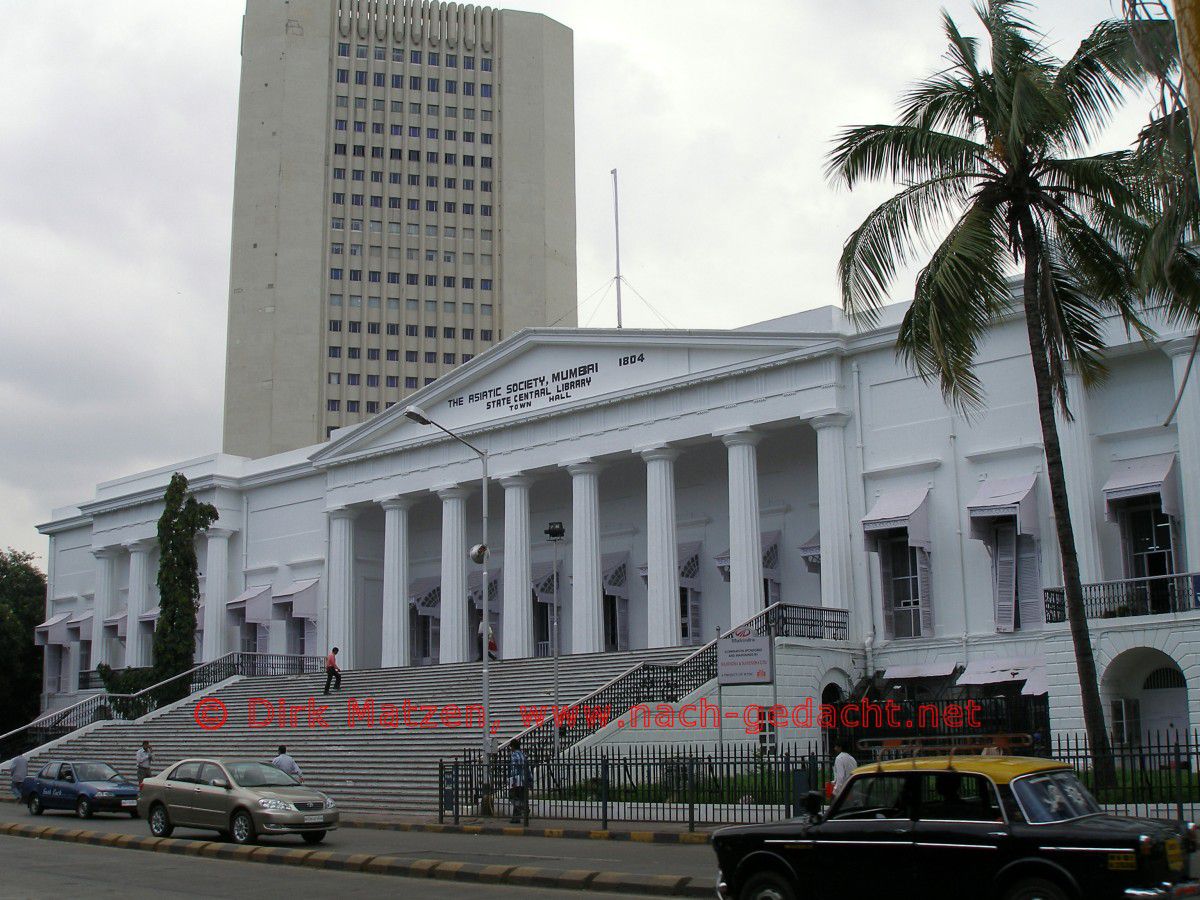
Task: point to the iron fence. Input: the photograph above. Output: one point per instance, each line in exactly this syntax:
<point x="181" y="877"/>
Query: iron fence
<point x="104" y="706"/>
<point x="1131" y="597"/>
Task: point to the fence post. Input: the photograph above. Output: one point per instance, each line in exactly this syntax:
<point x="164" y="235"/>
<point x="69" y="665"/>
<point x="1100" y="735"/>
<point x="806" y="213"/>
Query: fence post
<point x="454" y="787"/>
<point x="441" y="791"/>
<point x="1178" y="783"/>
<point x="691" y="789"/>
<point x="604" y="791"/>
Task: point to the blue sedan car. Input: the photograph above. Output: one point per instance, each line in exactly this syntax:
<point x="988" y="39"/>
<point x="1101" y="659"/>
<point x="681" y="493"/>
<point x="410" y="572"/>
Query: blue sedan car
<point x="85" y="786"/>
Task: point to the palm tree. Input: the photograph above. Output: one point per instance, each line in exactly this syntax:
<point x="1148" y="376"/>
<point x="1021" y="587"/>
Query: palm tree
<point x="994" y="153"/>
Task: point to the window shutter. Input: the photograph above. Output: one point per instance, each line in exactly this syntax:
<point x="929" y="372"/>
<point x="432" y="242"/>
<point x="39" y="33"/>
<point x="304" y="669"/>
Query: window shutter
<point x="1029" y="583"/>
<point x="695" y="625"/>
<point x="622" y="623"/>
<point x="435" y="638"/>
<point x="885" y="595"/>
<point x="1004" y="581"/>
<point x="925" y="587"/>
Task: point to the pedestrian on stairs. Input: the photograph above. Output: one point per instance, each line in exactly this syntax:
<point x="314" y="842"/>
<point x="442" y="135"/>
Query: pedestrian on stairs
<point x="333" y="675"/>
<point x="284" y="763"/>
<point x="145" y="761"/>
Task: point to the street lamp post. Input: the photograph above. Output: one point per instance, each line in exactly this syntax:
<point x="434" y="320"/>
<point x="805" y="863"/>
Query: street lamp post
<point x="555" y="532"/>
<point x="479" y="554"/>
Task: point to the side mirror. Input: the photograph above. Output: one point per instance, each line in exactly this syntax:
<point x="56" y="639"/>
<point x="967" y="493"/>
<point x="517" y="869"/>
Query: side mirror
<point x="812" y="803"/>
<point x="220" y="782"/>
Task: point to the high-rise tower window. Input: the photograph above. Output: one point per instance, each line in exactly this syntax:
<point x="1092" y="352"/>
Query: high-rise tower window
<point x="335" y="274"/>
<point x="485" y="115"/>
<point x="397" y="55"/>
<point x="351" y="406"/>
<point x="410" y="383"/>
<point x="485" y="64"/>
<point x="451" y="86"/>
<point x="468" y="62"/>
<point x="343" y="49"/>
<point x="352" y="379"/>
<point x="333" y="405"/>
<point x="353" y="352"/>
<point x="431" y="357"/>
<point x="468" y="89"/>
<point x="343" y="76"/>
<point x="360" y="78"/>
<point x="380" y="53"/>
<point x="485" y="334"/>
<point x="448" y="358"/>
<point x="335" y="352"/>
<point x="431" y="331"/>
<point x="415" y="57"/>
<point x="434" y="59"/>
<point x="410" y="356"/>
<point x="372" y="353"/>
<point x="339" y="124"/>
<point x="361" y="51"/>
<point x="485" y="90"/>
<point x="410" y="330"/>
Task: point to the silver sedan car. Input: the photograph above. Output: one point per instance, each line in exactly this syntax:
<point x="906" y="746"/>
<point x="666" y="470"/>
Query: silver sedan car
<point x="240" y="799"/>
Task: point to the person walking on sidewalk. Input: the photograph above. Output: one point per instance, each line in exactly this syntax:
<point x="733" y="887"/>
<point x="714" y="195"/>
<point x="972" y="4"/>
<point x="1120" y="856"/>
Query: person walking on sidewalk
<point x="284" y="763"/>
<point x="20" y="768"/>
<point x="843" y="767"/>
<point x="145" y="762"/>
<point x="333" y="675"/>
<point x="518" y="784"/>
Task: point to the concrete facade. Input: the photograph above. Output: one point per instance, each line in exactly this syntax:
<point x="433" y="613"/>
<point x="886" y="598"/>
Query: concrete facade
<point x="403" y="198"/>
<point x="794" y="460"/>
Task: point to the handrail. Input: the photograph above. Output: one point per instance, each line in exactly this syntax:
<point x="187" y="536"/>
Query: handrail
<point x="105" y="706"/>
<point x="543" y="732"/>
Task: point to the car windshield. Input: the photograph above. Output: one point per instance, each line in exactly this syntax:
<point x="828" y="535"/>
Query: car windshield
<point x="1054" y="797"/>
<point x="253" y="774"/>
<point x="90" y="771"/>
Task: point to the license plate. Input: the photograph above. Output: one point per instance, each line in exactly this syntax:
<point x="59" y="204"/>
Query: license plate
<point x="314" y="818"/>
<point x="129" y="803"/>
<point x="1175" y="854"/>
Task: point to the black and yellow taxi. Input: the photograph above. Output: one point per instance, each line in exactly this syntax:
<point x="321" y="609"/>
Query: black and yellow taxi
<point x="1012" y="828"/>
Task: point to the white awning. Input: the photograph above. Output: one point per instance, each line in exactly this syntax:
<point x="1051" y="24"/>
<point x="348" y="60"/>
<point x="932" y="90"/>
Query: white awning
<point x="1001" y="670"/>
<point x="901" y="509"/>
<point x="687" y="559"/>
<point x="810" y="552"/>
<point x="614" y="569"/>
<point x="81" y="623"/>
<point x="425" y="595"/>
<point x="119" y="622"/>
<point x="52" y="631"/>
<point x="1005" y="498"/>
<point x="303" y="597"/>
<point x="939" y="669"/>
<point x="256" y="601"/>
<point x="542" y="579"/>
<point x="769" y="542"/>
<point x="494" y="595"/>
<point x="150" y="615"/>
<point x="1143" y="477"/>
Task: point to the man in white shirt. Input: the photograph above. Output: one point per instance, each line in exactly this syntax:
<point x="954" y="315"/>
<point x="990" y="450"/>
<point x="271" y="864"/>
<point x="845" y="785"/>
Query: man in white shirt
<point x="145" y="762"/>
<point x="20" y="768"/>
<point x="284" y="763"/>
<point x="843" y="765"/>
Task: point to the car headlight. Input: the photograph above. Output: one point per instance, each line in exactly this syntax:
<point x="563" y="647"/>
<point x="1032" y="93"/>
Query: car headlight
<point x="329" y="803"/>
<point x="274" y="804"/>
<point x="105" y="794"/>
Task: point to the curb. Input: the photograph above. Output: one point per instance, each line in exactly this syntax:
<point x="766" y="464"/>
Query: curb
<point x="582" y="834"/>
<point x="446" y="870"/>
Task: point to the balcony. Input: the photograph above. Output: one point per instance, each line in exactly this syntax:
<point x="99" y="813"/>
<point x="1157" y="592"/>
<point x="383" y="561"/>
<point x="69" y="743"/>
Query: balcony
<point x="1131" y="597"/>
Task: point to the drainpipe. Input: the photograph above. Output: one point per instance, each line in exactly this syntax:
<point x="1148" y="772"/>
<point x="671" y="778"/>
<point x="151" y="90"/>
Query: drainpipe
<point x="869" y="638"/>
<point x="958" y="532"/>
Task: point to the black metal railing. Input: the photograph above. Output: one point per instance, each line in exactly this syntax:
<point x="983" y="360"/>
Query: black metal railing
<point x="126" y="707"/>
<point x="738" y="783"/>
<point x="669" y="683"/>
<point x="1131" y="597"/>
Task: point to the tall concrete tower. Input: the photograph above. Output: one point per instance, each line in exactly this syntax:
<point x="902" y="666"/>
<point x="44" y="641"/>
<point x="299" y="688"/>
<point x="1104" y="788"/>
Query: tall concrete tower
<point x="404" y="197"/>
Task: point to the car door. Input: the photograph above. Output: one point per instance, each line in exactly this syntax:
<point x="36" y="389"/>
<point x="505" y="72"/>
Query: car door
<point x="960" y="831"/>
<point x="68" y="787"/>
<point x="211" y="802"/>
<point x="867" y="840"/>
<point x="50" y="787"/>
<point x="179" y="793"/>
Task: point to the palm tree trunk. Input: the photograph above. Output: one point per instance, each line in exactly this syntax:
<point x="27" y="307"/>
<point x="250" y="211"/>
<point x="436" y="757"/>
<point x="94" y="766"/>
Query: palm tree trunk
<point x="1085" y="663"/>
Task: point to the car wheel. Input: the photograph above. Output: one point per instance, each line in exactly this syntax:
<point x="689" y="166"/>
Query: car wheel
<point x="767" y="886"/>
<point x="313" y="837"/>
<point x="83" y="808"/>
<point x="35" y="805"/>
<point x="160" y="825"/>
<point x="1035" y="889"/>
<point x="242" y="828"/>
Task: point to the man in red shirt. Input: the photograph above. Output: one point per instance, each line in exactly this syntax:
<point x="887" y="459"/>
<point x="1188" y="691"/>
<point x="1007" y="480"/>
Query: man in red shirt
<point x="332" y="673"/>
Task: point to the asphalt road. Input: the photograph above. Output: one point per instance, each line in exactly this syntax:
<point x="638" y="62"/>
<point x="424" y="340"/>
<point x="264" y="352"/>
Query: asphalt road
<point x="697" y="860"/>
<point x="38" y="869"/>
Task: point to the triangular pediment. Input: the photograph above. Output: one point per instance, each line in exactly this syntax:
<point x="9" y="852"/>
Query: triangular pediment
<point x="546" y="371"/>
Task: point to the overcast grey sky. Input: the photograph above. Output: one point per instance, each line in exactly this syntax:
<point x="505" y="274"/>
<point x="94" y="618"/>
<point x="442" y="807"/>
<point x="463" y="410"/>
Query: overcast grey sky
<point x="116" y="179"/>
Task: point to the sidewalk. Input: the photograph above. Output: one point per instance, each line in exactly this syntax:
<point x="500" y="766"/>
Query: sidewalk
<point x="648" y="833"/>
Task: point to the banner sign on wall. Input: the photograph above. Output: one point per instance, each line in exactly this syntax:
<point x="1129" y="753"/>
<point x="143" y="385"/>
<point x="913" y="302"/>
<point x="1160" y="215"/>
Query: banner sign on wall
<point x="744" y="657"/>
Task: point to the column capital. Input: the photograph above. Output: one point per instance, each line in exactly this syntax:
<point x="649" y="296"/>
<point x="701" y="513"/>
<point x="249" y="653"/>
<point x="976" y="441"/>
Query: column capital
<point x="110" y="552"/>
<point x="514" y="480"/>
<point x="582" y="467"/>
<point x="143" y="545"/>
<point x="837" y="419"/>
<point x="660" y="451"/>
<point x="740" y="437"/>
<point x="452" y="492"/>
<point x="1178" y="346"/>
<point x="220" y="533"/>
<point x="341" y="512"/>
<point x="402" y="501"/>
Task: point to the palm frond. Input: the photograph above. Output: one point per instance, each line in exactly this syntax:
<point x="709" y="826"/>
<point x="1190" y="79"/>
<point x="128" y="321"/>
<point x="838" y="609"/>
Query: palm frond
<point x="903" y="154"/>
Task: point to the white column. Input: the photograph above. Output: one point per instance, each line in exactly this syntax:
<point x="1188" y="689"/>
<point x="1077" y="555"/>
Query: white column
<point x="137" y="653"/>
<point x="516" y="639"/>
<point x="587" y="600"/>
<point x="745" y="543"/>
<point x="339" y="592"/>
<point x="1082" y="491"/>
<point x="105" y="600"/>
<point x="70" y="683"/>
<point x="216" y="593"/>
<point x="396" y="642"/>
<point x="455" y="637"/>
<point x="833" y="497"/>
<point x="1187" y="427"/>
<point x="662" y="564"/>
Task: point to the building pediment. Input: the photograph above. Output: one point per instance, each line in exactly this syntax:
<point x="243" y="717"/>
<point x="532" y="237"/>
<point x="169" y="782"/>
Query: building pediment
<point x="542" y="372"/>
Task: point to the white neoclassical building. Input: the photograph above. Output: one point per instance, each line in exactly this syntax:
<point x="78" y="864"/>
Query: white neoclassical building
<point x="699" y="476"/>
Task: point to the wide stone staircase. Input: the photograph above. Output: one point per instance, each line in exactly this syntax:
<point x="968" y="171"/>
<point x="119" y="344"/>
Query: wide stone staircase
<point x="364" y="767"/>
